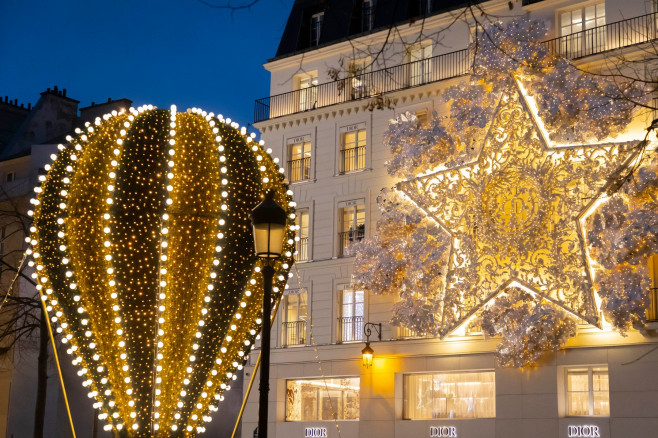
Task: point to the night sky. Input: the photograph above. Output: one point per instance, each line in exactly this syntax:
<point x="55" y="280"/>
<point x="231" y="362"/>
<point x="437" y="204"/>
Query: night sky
<point x="150" y="51"/>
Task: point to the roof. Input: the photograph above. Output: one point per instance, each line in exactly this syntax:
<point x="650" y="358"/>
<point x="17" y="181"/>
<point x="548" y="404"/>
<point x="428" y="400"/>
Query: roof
<point x="343" y="19"/>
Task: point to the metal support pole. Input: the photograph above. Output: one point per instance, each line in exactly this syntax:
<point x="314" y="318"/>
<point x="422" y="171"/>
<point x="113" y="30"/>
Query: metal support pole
<point x="268" y="275"/>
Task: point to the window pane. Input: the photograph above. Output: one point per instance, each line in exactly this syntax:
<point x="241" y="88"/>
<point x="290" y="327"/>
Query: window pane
<point x="600" y="380"/>
<point x="322" y="399"/>
<point x="577" y="380"/>
<point x="602" y="403"/>
<point x="450" y="395"/>
<point x="578" y="403"/>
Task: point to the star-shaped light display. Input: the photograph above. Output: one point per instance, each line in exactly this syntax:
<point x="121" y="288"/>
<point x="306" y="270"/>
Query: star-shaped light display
<point x="514" y="215"/>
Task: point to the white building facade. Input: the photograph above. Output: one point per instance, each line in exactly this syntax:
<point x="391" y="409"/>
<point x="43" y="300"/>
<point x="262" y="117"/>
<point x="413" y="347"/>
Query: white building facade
<point x="329" y="132"/>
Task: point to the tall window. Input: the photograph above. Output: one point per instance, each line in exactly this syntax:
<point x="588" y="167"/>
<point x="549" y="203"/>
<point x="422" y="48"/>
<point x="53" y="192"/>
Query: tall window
<point x="11" y="176"/>
<point x="583" y="30"/>
<point x="301" y="220"/>
<point x="323" y="399"/>
<point x="352" y="225"/>
<point x="419" y="64"/>
<point x="449" y="395"/>
<point x="652" y="311"/>
<point x="307" y="91"/>
<point x="367" y="15"/>
<point x="295" y="315"/>
<point x="588" y="392"/>
<point x="299" y="159"/>
<point x="353" y="149"/>
<point x="316" y="28"/>
<point x="350" y="321"/>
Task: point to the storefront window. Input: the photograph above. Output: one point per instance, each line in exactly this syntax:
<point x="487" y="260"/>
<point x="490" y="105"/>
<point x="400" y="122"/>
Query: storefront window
<point x="588" y="392"/>
<point x="322" y="399"/>
<point x="449" y="395"/>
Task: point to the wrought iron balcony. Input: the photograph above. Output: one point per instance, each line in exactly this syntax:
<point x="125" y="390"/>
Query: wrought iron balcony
<point x="293" y="333"/>
<point x="299" y="170"/>
<point x="600" y="39"/>
<point x="302" y="249"/>
<point x="352" y="159"/>
<point x="350" y="328"/>
<point x="347" y="238"/>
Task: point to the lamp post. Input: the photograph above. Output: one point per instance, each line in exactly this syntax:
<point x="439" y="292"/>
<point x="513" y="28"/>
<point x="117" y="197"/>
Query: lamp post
<point x="367" y="352"/>
<point x="269" y="225"/>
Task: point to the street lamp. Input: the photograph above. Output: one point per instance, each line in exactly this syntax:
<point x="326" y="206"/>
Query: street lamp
<point x="269" y="225"/>
<point x="367" y="352"/>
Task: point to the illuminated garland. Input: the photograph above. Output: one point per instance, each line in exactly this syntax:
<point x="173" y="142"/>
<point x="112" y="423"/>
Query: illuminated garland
<point x="144" y="253"/>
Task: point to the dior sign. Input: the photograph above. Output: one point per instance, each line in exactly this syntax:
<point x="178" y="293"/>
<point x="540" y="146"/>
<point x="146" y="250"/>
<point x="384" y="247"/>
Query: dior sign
<point x="443" y="432"/>
<point x="583" y="432"/>
<point x="315" y="432"/>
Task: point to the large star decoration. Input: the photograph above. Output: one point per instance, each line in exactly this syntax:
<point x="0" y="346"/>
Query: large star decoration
<point x="515" y="215"/>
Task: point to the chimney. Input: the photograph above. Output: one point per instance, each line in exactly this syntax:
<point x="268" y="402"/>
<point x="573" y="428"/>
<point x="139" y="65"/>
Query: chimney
<point x="55" y="89"/>
<point x="64" y="92"/>
<point x="29" y="106"/>
<point x="109" y="99"/>
<point x="93" y="104"/>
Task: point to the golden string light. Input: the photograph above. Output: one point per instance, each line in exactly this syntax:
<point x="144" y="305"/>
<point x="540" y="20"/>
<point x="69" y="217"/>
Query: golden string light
<point x="143" y="246"/>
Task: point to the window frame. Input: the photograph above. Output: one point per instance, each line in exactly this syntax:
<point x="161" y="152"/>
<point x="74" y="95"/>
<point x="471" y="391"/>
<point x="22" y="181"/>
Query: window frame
<point x="354" y="230"/>
<point x="299" y="243"/>
<point x="301" y="323"/>
<point x="589" y="370"/>
<point x="357" y="154"/>
<point x="406" y="417"/>
<point x="302" y="170"/>
<point x="321" y="379"/>
<point x="316" y="29"/>
<point x="356" y="330"/>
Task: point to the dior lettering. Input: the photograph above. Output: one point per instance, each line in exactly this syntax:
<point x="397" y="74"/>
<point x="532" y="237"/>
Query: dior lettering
<point x="583" y="432"/>
<point x="315" y="432"/>
<point x="443" y="432"/>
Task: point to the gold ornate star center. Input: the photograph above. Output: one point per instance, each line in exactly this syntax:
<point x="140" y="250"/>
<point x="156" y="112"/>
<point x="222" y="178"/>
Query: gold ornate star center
<point x="515" y="215"/>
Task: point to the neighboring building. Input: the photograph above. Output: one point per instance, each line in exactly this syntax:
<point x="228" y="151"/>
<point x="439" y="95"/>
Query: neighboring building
<point x="602" y="384"/>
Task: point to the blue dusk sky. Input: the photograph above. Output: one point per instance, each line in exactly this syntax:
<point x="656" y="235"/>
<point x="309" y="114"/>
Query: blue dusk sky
<point x="158" y="52"/>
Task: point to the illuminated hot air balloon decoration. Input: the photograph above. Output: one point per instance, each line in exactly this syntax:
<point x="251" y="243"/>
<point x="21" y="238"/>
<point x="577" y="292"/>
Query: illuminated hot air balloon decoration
<point x="143" y="252"/>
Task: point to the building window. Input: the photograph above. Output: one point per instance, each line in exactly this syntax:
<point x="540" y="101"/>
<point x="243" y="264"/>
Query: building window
<point x="583" y="30"/>
<point x="11" y="177"/>
<point x="588" y="392"/>
<point x="419" y="64"/>
<point x="295" y="315"/>
<point x="652" y="311"/>
<point x="299" y="159"/>
<point x="350" y="321"/>
<point x="322" y="399"/>
<point x="449" y="395"/>
<point x="367" y="15"/>
<point x="423" y="117"/>
<point x="358" y="80"/>
<point x="316" y="28"/>
<point x="301" y="221"/>
<point x="352" y="216"/>
<point x="353" y="149"/>
<point x="307" y="91"/>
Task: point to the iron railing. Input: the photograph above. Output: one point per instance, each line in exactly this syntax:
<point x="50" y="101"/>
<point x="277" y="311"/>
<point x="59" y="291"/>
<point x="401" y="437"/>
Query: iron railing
<point x="302" y="249"/>
<point x="350" y="328"/>
<point x="347" y="238"/>
<point x="611" y="36"/>
<point x="299" y="170"/>
<point x="352" y="159"/>
<point x="293" y="333"/>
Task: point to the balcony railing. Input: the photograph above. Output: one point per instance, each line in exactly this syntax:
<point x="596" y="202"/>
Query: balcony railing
<point x="302" y="249"/>
<point x="293" y="333"/>
<point x="352" y="159"/>
<point x="299" y="170"/>
<point x="350" y="328"/>
<point x="615" y="35"/>
<point x="347" y="238"/>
